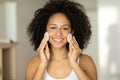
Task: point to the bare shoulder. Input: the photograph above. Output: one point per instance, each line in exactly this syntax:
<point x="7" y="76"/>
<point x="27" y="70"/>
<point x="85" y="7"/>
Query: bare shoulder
<point x="88" y="65"/>
<point x="86" y="61"/>
<point x="33" y="61"/>
<point x="32" y="67"/>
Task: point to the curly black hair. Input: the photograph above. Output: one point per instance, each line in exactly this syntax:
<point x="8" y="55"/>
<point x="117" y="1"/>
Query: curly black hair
<point x="74" y="11"/>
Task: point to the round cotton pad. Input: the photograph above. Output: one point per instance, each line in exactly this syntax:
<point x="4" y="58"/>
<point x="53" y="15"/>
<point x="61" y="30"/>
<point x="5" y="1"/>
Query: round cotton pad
<point x="69" y="37"/>
<point x="47" y="35"/>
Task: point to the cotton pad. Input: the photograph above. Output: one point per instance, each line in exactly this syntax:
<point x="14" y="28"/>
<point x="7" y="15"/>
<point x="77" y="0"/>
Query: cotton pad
<point x="69" y="37"/>
<point x="47" y="35"/>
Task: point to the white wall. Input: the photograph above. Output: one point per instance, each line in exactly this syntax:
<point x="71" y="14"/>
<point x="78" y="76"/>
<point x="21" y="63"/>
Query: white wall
<point x="88" y="4"/>
<point x="8" y="20"/>
<point x="25" y="12"/>
<point x="2" y="20"/>
<point x="109" y="39"/>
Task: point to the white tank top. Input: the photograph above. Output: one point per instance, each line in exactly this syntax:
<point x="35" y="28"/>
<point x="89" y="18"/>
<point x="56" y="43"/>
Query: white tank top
<point x="72" y="76"/>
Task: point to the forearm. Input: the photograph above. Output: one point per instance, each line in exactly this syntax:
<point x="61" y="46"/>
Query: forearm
<point x="79" y="72"/>
<point x="40" y="72"/>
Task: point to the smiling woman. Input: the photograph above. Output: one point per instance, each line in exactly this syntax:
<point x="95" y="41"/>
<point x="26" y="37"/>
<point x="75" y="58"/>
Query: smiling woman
<point x="58" y="28"/>
<point x="59" y="32"/>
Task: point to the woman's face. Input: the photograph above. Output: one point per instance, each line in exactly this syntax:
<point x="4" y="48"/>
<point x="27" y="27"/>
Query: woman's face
<point x="58" y="28"/>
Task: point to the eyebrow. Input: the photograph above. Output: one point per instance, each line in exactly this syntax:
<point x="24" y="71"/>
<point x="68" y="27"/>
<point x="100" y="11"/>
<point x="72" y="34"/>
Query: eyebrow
<point x="53" y="24"/>
<point x="66" y="25"/>
<point x="62" y="25"/>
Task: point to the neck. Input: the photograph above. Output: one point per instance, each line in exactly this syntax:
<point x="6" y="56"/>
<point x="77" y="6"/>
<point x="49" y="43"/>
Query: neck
<point x="59" y="53"/>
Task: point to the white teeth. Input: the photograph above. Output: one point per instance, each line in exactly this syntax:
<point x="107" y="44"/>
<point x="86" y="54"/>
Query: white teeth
<point x="58" y="40"/>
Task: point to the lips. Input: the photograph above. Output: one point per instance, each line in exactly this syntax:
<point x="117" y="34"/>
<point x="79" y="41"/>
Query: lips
<point x="58" y="39"/>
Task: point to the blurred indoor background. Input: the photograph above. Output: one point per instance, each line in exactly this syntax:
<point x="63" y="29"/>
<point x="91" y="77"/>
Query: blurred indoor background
<point x="104" y="47"/>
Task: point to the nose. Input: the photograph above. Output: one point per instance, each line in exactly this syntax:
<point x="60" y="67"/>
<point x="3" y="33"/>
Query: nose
<point x="58" y="32"/>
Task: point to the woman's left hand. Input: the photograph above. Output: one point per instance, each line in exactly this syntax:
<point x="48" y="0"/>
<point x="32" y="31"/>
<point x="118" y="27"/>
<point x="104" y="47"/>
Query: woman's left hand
<point x="74" y="51"/>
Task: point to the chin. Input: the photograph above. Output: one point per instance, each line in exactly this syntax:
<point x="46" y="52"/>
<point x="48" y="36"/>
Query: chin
<point x="60" y="45"/>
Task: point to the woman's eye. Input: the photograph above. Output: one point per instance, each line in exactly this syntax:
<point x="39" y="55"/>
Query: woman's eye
<point x="65" y="28"/>
<point x="52" y="27"/>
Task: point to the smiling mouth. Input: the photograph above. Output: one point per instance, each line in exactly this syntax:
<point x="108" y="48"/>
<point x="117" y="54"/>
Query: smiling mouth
<point x="58" y="40"/>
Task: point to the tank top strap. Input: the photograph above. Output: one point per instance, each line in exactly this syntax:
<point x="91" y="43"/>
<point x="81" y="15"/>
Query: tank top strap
<point x="78" y="60"/>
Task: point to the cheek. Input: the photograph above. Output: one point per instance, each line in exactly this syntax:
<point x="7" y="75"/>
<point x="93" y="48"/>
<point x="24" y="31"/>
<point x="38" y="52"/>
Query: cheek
<point x="50" y="33"/>
<point x="66" y="35"/>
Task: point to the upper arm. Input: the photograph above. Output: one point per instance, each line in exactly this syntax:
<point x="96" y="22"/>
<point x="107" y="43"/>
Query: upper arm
<point x="31" y="68"/>
<point x="88" y="66"/>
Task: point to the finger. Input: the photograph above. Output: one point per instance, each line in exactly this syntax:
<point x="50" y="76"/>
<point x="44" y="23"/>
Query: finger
<point x="47" y="51"/>
<point x="72" y="43"/>
<point x="46" y="48"/>
<point x="70" y="51"/>
<point x="41" y="46"/>
<point x="75" y="42"/>
<point x="43" y="43"/>
<point x="75" y="46"/>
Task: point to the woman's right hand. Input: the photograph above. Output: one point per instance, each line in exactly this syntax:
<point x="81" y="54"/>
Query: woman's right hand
<point x="43" y="50"/>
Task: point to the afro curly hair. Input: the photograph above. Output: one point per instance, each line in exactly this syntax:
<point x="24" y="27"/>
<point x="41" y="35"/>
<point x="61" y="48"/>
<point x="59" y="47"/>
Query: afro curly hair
<point x="74" y="12"/>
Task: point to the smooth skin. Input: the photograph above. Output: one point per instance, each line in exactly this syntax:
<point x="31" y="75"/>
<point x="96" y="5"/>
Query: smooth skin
<point x="58" y="60"/>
